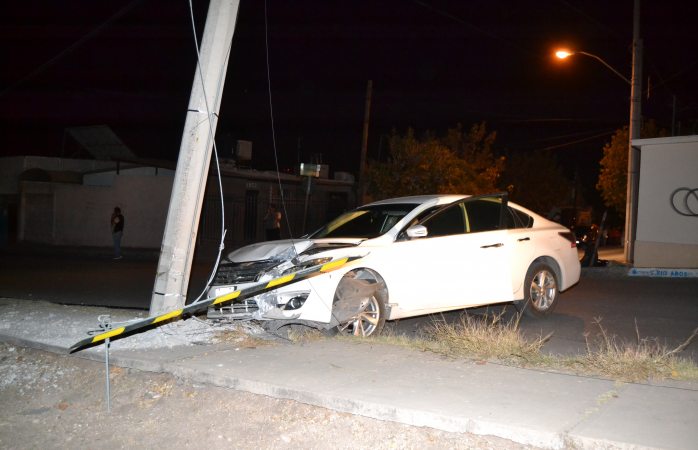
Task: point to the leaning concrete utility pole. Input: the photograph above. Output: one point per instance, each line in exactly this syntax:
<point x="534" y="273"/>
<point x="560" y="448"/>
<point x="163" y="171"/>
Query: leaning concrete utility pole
<point x="179" y="240"/>
<point x="634" y="133"/>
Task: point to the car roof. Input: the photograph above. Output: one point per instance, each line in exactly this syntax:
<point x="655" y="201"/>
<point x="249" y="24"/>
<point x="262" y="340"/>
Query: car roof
<point x="421" y="199"/>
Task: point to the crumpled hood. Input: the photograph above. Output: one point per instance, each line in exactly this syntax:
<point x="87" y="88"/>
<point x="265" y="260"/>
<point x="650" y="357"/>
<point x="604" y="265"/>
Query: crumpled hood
<point x="270" y="250"/>
<point x="284" y="250"/>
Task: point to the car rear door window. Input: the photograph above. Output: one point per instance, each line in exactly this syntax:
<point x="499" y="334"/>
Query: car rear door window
<point x="483" y="214"/>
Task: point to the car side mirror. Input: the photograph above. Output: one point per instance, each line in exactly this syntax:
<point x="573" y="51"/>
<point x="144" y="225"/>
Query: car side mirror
<point x="417" y="231"/>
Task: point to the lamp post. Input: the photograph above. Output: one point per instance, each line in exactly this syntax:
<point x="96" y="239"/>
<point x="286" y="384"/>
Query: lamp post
<point x="633" y="131"/>
<point x="562" y="54"/>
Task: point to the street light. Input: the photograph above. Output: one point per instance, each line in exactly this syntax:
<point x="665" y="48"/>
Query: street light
<point x="562" y="54"/>
<point x="633" y="131"/>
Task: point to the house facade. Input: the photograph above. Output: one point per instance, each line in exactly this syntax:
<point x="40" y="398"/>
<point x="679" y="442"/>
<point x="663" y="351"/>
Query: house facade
<point x="58" y="201"/>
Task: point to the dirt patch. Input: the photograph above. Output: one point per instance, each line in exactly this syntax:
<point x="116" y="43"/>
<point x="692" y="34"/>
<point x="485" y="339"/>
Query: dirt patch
<point x="54" y="401"/>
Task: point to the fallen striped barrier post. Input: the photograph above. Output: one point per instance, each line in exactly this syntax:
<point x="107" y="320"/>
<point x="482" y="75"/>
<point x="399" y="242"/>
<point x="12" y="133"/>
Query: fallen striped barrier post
<point x="203" y="305"/>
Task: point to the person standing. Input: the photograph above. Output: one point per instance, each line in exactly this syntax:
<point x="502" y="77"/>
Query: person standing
<point x="117" y="231"/>
<point x="272" y="223"/>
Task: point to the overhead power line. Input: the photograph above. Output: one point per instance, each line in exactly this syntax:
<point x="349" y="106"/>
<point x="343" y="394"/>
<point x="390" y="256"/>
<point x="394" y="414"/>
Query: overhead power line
<point x="69" y="49"/>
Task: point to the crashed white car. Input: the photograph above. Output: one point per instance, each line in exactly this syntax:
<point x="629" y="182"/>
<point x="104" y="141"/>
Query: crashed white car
<point x="417" y="255"/>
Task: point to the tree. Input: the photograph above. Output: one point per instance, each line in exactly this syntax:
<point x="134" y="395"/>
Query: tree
<point x="455" y="164"/>
<point x="476" y="148"/>
<point x="536" y="180"/>
<point x="613" y="176"/>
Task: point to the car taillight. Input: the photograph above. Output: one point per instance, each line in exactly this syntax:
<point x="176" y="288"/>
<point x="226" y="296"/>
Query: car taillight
<point x="570" y="237"/>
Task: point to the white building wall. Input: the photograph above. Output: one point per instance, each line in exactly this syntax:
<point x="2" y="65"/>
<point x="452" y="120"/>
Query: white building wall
<point x="664" y="237"/>
<point x="68" y="213"/>
<point x="81" y="214"/>
<point x="10" y="168"/>
<point x="106" y="178"/>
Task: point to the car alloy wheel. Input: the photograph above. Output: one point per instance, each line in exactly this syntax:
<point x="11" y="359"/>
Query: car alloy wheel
<point x="541" y="290"/>
<point x="366" y="322"/>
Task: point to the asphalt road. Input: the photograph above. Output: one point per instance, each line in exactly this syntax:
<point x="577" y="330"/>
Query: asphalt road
<point x="627" y="307"/>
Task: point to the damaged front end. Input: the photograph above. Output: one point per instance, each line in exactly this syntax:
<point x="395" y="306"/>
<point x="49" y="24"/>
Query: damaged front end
<point x="268" y="306"/>
<point x="278" y="259"/>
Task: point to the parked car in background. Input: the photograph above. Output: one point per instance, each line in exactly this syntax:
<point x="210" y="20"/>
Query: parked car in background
<point x="416" y="255"/>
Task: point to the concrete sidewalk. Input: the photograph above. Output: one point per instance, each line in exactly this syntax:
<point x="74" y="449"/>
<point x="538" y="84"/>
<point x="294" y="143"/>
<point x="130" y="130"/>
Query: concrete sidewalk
<point x="544" y="409"/>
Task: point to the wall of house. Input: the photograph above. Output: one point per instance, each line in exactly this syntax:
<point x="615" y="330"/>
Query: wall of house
<point x="79" y="214"/>
<point x="667" y="217"/>
<point x="247" y="199"/>
<point x="73" y="214"/>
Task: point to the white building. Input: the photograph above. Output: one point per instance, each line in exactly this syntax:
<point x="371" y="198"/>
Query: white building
<point x="59" y="201"/>
<point x="667" y="216"/>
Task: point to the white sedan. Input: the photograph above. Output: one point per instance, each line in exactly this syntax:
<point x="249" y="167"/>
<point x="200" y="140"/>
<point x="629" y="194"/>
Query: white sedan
<point x="417" y="255"/>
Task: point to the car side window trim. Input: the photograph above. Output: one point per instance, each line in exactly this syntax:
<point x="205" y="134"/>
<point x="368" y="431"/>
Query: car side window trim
<point x="501" y="198"/>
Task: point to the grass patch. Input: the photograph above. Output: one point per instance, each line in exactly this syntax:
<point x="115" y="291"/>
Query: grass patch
<point x="491" y="337"/>
<point x="242" y="336"/>
<point x="486" y="337"/>
<point x="642" y="360"/>
<point x="498" y="338"/>
<point x="301" y="334"/>
<point x="389" y="337"/>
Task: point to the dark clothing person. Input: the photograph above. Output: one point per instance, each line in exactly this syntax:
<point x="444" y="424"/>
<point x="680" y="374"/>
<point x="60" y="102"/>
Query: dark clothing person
<point x="117" y="231"/>
<point x="272" y="224"/>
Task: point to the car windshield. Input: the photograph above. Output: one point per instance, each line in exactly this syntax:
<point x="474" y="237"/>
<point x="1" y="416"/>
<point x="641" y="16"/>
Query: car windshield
<point x="365" y="222"/>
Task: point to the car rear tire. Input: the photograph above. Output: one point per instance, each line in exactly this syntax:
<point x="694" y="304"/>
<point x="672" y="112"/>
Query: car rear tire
<point x="540" y="291"/>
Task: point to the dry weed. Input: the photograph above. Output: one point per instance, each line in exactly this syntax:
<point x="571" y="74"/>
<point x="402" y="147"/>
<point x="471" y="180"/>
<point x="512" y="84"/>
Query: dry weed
<point x="486" y="337"/>
<point x="490" y="337"/>
<point x="643" y="359"/>
<point x="241" y="338"/>
<point x="302" y="334"/>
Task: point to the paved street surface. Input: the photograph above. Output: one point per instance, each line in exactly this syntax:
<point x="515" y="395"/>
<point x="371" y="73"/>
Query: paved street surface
<point x="662" y="309"/>
<point x="544" y="409"/>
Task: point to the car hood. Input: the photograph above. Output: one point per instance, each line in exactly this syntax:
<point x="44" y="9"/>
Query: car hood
<point x="287" y="249"/>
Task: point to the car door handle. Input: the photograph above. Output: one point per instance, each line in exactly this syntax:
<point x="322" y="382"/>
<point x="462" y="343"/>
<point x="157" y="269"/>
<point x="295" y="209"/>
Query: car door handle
<point x="498" y="244"/>
<point x="524" y="239"/>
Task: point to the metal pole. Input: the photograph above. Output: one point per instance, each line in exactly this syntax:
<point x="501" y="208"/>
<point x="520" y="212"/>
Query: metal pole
<point x="622" y="77"/>
<point x="673" y="115"/>
<point x="179" y="240"/>
<point x="364" y="143"/>
<point x="108" y="387"/>
<point x="634" y="133"/>
<point x="307" y="198"/>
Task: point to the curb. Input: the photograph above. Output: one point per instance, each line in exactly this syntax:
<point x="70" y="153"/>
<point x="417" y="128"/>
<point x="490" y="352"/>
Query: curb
<point x="612" y="270"/>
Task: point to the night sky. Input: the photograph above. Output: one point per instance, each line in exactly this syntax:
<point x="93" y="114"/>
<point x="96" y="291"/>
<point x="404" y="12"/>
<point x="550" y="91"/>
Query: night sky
<point x="434" y="63"/>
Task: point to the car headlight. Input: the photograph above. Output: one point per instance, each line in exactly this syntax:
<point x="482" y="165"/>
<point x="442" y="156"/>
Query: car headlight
<point x="292" y="266"/>
<point x="306" y="265"/>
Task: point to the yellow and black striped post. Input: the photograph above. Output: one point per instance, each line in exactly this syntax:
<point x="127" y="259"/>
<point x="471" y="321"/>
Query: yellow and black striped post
<point x="194" y="308"/>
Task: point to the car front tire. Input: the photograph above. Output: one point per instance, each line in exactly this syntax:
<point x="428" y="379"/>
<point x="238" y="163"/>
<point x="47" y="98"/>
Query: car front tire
<point x="370" y="319"/>
<point x="368" y="322"/>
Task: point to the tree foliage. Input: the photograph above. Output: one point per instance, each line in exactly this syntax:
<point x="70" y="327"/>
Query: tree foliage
<point x="458" y="163"/>
<point x="537" y="181"/>
<point x="613" y="175"/>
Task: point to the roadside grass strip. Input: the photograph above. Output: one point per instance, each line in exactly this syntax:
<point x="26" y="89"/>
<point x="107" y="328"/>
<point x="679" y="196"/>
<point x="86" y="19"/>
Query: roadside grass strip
<point x="490" y="337"/>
